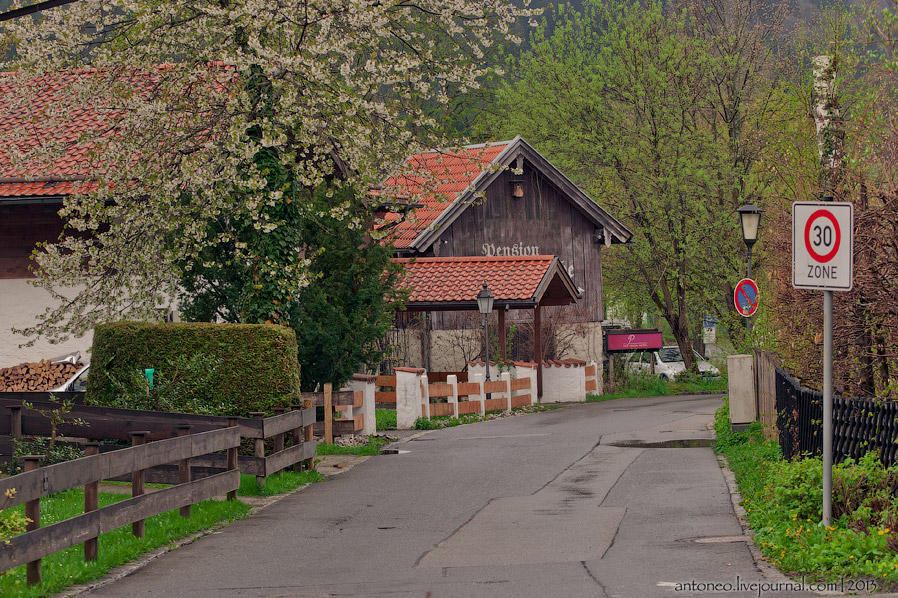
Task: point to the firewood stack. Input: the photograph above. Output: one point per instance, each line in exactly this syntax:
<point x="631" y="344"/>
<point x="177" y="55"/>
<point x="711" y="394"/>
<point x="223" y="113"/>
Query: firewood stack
<point x="36" y="376"/>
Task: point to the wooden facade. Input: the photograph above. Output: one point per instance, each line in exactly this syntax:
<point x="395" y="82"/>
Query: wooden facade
<point x="544" y="221"/>
<point x="22" y="227"/>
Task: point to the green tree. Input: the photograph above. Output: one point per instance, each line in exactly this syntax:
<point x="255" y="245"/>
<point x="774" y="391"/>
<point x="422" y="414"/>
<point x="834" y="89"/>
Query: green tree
<point x="646" y="114"/>
<point x="348" y="303"/>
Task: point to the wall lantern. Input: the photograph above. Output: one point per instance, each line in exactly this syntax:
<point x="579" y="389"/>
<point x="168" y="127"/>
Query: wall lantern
<point x="517" y="187"/>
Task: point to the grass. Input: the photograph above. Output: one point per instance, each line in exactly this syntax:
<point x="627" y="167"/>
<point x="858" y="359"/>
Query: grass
<point x="279" y="483"/>
<point x="448" y="421"/>
<point x="386" y="419"/>
<point x="117" y="547"/>
<point x="652" y="386"/>
<point x="782" y="501"/>
<point x="371" y="448"/>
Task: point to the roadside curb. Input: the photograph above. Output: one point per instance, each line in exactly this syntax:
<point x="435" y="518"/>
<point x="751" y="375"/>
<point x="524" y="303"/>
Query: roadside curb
<point x="115" y="574"/>
<point x="767" y="570"/>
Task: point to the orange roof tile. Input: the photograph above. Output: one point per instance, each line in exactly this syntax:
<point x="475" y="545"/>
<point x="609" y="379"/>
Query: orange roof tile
<point x="29" y="126"/>
<point x="459" y="279"/>
<point x="435" y="179"/>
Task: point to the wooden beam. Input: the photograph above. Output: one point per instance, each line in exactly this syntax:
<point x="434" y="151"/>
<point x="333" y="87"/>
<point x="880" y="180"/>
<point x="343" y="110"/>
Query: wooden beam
<point x="502" y="350"/>
<point x="538" y="348"/>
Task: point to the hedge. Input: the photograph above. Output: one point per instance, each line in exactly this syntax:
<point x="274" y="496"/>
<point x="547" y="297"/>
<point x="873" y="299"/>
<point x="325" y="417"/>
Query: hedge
<point x="220" y="369"/>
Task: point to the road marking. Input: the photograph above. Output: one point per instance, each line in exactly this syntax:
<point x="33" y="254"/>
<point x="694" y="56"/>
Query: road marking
<point x="500" y="436"/>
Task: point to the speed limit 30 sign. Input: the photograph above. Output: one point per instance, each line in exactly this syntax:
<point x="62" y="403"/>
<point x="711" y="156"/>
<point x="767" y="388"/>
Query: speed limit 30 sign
<point x="822" y="245"/>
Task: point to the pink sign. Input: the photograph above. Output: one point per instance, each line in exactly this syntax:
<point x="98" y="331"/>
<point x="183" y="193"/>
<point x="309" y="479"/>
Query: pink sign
<point x="633" y="340"/>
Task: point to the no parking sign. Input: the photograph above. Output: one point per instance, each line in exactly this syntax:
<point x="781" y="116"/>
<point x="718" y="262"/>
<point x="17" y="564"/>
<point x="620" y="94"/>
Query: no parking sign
<point x="745" y="297"/>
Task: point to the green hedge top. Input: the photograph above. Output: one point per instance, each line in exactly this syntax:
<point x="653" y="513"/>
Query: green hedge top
<point x="221" y="369"/>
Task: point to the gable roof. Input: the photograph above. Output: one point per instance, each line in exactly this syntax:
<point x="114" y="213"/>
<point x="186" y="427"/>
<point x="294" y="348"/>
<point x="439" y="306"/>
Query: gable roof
<point x="452" y="283"/>
<point x="461" y="177"/>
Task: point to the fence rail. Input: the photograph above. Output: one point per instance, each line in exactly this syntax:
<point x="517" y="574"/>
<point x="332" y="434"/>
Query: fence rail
<point x="32" y="485"/>
<point x="859" y="425"/>
<point x="108" y="423"/>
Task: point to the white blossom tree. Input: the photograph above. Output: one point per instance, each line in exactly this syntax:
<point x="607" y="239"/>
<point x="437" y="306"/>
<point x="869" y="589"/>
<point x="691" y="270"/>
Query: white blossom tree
<point x="181" y="99"/>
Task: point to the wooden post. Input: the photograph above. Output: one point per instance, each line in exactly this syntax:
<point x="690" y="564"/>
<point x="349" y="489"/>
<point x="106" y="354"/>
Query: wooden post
<point x="33" y="513"/>
<point x="184" y="467"/>
<point x="259" y="447"/>
<point x="90" y="502"/>
<point x="308" y="434"/>
<point x="538" y="348"/>
<point x="137" y="481"/>
<point x="328" y="413"/>
<point x="15" y="412"/>
<point x="611" y="372"/>
<point x="279" y="438"/>
<point x="502" y="349"/>
<point x="232" y="458"/>
<point x="297" y="438"/>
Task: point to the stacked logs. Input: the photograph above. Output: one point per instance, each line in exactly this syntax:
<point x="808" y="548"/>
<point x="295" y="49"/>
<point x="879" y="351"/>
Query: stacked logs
<point x="36" y="376"/>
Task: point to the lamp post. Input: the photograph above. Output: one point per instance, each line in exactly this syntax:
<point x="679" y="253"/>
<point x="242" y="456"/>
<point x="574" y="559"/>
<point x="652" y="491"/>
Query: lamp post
<point x="485" y="306"/>
<point x="750" y="221"/>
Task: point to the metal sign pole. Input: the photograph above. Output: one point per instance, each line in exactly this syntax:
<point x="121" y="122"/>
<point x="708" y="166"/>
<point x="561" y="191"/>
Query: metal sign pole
<point x="827" y="407"/>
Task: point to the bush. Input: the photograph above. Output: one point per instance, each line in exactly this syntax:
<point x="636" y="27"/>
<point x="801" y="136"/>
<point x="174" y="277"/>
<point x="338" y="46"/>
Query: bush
<point x="216" y="369"/>
<point x="782" y="501"/>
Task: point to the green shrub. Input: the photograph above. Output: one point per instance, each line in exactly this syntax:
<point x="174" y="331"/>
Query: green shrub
<point x="223" y="369"/>
<point x="782" y="501"/>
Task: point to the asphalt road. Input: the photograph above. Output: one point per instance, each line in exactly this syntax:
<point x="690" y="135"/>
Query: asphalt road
<point x="573" y="502"/>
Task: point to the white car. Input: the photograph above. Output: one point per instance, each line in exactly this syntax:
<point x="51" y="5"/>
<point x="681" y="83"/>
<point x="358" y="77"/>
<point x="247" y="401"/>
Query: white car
<point x="668" y="362"/>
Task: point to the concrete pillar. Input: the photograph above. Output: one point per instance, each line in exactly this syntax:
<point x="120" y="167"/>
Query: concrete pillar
<point x="408" y="396"/>
<point x="365" y="383"/>
<point x="481" y="398"/>
<point x="741" y="388"/>
<point x="452" y="381"/>
<point x="425" y="394"/>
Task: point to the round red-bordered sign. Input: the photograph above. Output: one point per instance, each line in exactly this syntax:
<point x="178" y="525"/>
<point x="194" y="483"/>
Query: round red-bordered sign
<point x="746" y="297"/>
<point x="822" y="213"/>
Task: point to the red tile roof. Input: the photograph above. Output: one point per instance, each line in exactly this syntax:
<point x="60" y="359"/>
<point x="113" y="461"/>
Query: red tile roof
<point x="70" y="167"/>
<point x="54" y="116"/>
<point x="454" y="279"/>
<point x="435" y="179"/>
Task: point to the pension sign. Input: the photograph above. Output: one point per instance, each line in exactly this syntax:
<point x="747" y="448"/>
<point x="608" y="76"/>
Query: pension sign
<point x="822" y="245"/>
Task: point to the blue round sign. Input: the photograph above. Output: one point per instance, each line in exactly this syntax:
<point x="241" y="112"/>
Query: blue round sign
<point x="745" y="297"/>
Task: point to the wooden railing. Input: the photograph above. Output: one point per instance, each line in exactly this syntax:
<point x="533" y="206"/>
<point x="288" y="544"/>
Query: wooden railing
<point x="385" y="396"/>
<point x="459" y="398"/>
<point x="291" y="445"/>
<point x="592" y="380"/>
<point x="38" y="482"/>
<point x="337" y="408"/>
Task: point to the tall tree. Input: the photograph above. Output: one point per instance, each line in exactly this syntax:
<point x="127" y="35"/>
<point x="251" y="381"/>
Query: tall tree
<point x="617" y="95"/>
<point x="342" y="313"/>
<point x="191" y="92"/>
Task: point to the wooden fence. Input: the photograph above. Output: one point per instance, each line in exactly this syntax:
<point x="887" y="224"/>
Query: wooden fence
<point x="38" y="482"/>
<point x="341" y="404"/>
<point x="592" y="378"/>
<point x="765" y="364"/>
<point x="459" y="398"/>
<point x="385" y="396"/>
<point x="288" y="431"/>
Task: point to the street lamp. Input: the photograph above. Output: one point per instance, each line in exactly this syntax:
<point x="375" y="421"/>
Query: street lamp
<point x="485" y="306"/>
<point x="750" y="219"/>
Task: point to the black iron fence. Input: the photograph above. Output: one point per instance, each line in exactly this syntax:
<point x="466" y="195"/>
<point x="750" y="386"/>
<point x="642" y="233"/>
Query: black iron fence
<point x="859" y="425"/>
